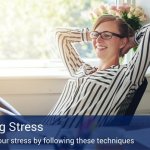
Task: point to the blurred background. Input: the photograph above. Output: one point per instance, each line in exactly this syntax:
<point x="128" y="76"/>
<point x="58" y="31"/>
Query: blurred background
<point x="27" y="27"/>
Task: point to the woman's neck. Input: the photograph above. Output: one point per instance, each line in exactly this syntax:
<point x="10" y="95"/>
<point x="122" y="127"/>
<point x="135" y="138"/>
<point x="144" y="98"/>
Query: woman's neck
<point x="107" y="64"/>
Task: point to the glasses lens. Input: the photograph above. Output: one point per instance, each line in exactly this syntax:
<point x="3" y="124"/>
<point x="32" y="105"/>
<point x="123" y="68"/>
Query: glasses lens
<point x="106" y="35"/>
<point x="94" y="35"/>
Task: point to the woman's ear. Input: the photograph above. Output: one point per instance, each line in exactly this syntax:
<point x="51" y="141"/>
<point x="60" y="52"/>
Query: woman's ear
<point x="123" y="42"/>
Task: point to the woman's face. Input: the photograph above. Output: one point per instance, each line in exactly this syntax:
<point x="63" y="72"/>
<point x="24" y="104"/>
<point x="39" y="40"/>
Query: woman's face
<point x="108" y="48"/>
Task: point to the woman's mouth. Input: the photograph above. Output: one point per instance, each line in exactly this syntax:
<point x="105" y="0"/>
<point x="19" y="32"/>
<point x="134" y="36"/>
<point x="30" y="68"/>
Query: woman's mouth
<point x="101" y="47"/>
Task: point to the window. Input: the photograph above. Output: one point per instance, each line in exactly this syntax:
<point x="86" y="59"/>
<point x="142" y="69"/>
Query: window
<point x="26" y="28"/>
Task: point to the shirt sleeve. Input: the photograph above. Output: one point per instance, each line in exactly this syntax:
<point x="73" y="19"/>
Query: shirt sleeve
<point x="141" y="60"/>
<point x="65" y="38"/>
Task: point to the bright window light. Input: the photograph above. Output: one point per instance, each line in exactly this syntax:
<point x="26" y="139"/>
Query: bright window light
<point x="27" y="27"/>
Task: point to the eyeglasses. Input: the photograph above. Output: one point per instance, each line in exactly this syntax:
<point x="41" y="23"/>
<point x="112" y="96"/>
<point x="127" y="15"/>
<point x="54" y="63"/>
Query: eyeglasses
<point x="106" y="35"/>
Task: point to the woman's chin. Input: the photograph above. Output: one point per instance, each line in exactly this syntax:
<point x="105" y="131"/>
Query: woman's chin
<point x="100" y="54"/>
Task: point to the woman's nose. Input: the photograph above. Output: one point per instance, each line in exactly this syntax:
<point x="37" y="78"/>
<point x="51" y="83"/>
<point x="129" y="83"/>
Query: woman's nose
<point x="99" y="38"/>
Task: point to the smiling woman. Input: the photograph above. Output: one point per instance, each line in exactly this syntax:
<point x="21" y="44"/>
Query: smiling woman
<point x="105" y="89"/>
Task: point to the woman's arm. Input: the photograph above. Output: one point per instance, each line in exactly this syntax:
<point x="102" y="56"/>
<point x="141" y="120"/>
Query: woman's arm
<point x="70" y="56"/>
<point x="141" y="60"/>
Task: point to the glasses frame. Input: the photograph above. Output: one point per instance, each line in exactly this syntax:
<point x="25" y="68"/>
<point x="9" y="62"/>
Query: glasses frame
<point x="100" y="34"/>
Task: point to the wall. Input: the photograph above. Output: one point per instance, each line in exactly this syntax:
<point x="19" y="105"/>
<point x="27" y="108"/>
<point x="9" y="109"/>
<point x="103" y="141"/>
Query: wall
<point x="36" y="96"/>
<point x="32" y="96"/>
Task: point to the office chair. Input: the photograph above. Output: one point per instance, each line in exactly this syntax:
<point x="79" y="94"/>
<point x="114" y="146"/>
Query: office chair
<point x="129" y="105"/>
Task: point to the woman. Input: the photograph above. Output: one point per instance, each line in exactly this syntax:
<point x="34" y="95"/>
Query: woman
<point x="100" y="91"/>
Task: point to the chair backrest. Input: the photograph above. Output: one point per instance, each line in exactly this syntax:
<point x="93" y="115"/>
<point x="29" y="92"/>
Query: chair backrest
<point x="137" y="98"/>
<point x="130" y="104"/>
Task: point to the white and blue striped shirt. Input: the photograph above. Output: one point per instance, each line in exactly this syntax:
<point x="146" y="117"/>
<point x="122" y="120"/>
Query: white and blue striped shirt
<point x="92" y="92"/>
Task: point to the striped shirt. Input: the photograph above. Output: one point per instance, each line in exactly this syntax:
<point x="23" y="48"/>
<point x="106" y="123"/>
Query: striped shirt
<point x="92" y="92"/>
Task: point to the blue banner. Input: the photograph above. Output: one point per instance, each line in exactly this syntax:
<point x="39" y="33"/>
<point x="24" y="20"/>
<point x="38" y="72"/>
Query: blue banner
<point x="75" y="132"/>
